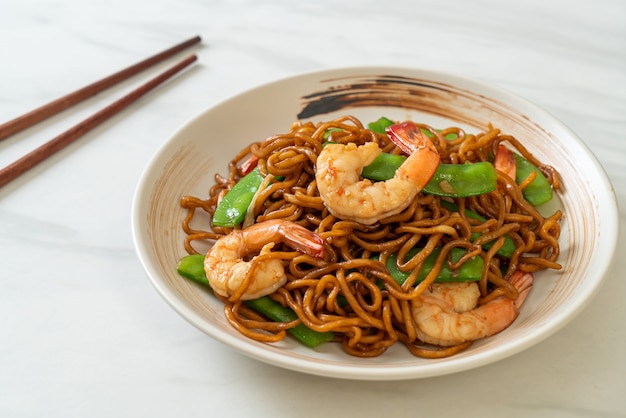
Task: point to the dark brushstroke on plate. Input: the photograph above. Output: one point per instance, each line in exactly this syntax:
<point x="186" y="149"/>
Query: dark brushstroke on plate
<point x="382" y="90"/>
<point x="422" y="95"/>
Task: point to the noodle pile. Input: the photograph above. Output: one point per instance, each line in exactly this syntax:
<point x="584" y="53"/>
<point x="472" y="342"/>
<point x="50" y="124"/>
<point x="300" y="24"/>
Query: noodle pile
<point x="349" y="292"/>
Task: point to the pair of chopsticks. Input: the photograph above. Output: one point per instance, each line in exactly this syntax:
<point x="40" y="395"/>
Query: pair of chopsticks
<point x="35" y="116"/>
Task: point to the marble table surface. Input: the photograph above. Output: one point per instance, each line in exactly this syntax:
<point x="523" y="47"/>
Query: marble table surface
<point x="83" y="333"/>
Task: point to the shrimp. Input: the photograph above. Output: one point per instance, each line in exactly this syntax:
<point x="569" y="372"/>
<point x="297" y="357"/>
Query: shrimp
<point x="227" y="271"/>
<point x="505" y="161"/>
<point x="447" y="314"/>
<point x="349" y="197"/>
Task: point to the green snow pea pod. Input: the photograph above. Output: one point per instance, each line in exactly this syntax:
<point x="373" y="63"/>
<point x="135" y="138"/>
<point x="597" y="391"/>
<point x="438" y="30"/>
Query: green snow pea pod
<point x="470" y="271"/>
<point x="192" y="267"/>
<point x="380" y="125"/>
<point x="232" y="208"/>
<point x="507" y="248"/>
<point x="383" y="167"/>
<point x="449" y="137"/>
<point x="462" y="180"/>
<point x="452" y="180"/>
<point x="278" y="313"/>
<point x="539" y="190"/>
<point x="330" y="131"/>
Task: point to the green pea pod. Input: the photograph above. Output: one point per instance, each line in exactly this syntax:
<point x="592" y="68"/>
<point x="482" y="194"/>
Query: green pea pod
<point x="383" y="167"/>
<point x="449" y="137"/>
<point x="232" y="208"/>
<point x="330" y="131"/>
<point x="470" y="271"/>
<point x="462" y="180"/>
<point x="192" y="267"/>
<point x="539" y="190"/>
<point x="380" y="125"/>
<point x="278" y="313"/>
<point x="507" y="248"/>
<point x="452" y="180"/>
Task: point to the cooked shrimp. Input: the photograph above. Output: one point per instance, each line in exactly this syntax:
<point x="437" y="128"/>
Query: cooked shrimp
<point x="227" y="271"/>
<point x="447" y="314"/>
<point x="347" y="196"/>
<point x="505" y="161"/>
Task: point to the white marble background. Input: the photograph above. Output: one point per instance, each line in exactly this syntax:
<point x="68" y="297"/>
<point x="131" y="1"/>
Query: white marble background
<point x="82" y="331"/>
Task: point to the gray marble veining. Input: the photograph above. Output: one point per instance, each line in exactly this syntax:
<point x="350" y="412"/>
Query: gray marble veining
<point x="83" y="333"/>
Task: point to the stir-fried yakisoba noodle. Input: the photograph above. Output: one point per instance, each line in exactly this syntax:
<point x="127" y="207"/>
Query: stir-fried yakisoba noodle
<point x="438" y="252"/>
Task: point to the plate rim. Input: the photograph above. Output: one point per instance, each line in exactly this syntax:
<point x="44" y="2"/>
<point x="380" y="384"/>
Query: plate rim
<point x="388" y="372"/>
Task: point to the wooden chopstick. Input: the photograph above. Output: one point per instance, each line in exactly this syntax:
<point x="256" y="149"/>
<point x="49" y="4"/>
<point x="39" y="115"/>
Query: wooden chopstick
<point x="37" y="115"/>
<point x="39" y="154"/>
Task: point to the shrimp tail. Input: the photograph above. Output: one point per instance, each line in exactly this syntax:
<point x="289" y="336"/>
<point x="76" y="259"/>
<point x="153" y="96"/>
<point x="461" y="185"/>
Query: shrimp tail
<point x="505" y="161"/>
<point x="441" y="321"/>
<point x="523" y="282"/>
<point x="409" y="138"/>
<point x="423" y="155"/>
<point x="302" y="239"/>
<point x="348" y="197"/>
<point x="233" y="276"/>
<point x="296" y="236"/>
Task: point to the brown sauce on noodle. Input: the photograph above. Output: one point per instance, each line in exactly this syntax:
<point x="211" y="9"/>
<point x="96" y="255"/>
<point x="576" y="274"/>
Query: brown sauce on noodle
<point x="376" y="318"/>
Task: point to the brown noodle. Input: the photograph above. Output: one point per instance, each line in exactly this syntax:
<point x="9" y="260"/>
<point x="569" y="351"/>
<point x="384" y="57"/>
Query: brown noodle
<point x="340" y="293"/>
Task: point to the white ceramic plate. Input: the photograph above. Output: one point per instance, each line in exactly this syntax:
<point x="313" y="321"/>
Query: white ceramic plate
<point x="186" y="162"/>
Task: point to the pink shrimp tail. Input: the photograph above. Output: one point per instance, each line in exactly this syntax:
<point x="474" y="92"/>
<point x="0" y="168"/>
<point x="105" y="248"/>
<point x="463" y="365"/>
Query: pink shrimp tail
<point x="505" y="161"/>
<point x="523" y="282"/>
<point x="302" y="239"/>
<point x="409" y="138"/>
<point x="279" y="230"/>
